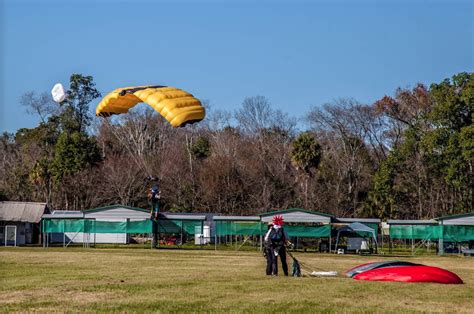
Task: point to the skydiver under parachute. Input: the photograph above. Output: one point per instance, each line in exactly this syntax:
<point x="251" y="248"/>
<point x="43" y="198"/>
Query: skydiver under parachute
<point x="154" y="198"/>
<point x="178" y="107"/>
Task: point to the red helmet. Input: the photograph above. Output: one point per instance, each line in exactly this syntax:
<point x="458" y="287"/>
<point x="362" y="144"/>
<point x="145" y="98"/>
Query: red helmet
<point x="278" y="220"/>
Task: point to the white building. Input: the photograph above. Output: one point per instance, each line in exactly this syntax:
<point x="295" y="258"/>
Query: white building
<point x="114" y="214"/>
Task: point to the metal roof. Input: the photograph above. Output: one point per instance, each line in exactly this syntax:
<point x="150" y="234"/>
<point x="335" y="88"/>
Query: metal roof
<point x="64" y="214"/>
<point x="237" y="218"/>
<point x="172" y="216"/>
<point x="355" y="227"/>
<point x="98" y="209"/>
<point x="292" y="210"/>
<point x="456" y="216"/>
<point x="298" y="216"/>
<point x="367" y="220"/>
<point x="22" y="211"/>
<point x="466" y="219"/>
<point x="412" y="222"/>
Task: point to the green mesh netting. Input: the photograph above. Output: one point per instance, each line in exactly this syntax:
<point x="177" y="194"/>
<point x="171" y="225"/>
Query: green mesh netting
<point x="142" y="226"/>
<point x="308" y="231"/>
<point x="224" y="228"/>
<point x="174" y="226"/>
<point x="168" y="226"/>
<point x="422" y="232"/>
<point x="417" y="232"/>
<point x="66" y="225"/>
<point x="374" y="226"/>
<point x="458" y="233"/>
<point x="96" y="226"/>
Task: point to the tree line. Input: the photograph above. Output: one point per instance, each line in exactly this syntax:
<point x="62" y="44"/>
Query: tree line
<point x="409" y="155"/>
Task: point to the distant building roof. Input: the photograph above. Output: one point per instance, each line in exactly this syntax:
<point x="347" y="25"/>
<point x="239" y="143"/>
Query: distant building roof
<point x="182" y="216"/>
<point x="412" y="222"/>
<point x="366" y="220"/>
<point x="293" y="210"/>
<point x="466" y="219"/>
<point x="356" y="227"/>
<point x="104" y="208"/>
<point x="237" y="218"/>
<point x="22" y="211"/>
<point x="61" y="214"/>
<point x="298" y="215"/>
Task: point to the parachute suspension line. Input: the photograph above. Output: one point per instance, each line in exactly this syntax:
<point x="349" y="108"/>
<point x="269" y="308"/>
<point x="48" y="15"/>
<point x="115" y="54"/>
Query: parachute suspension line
<point x="188" y="148"/>
<point x="135" y="143"/>
<point x="189" y="143"/>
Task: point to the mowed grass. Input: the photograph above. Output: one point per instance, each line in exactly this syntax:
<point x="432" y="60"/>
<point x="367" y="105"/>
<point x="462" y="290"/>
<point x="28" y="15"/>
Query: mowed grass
<point x="140" y="280"/>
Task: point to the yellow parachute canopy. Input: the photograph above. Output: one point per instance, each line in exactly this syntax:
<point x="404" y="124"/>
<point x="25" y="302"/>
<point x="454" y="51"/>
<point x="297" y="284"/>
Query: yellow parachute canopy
<point x="175" y="105"/>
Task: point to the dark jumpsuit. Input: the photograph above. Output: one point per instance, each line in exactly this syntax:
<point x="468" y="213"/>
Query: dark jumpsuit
<point x="272" y="260"/>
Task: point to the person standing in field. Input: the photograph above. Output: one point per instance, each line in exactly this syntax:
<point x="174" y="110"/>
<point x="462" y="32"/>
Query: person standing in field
<point x="268" y="253"/>
<point x="276" y="239"/>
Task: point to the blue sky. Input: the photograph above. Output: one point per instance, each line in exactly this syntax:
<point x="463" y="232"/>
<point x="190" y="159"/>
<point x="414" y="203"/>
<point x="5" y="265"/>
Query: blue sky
<point x="296" y="53"/>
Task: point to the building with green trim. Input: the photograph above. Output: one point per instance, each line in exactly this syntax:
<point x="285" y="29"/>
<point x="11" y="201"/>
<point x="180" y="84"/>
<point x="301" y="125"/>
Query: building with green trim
<point x="114" y="224"/>
<point x="455" y="230"/>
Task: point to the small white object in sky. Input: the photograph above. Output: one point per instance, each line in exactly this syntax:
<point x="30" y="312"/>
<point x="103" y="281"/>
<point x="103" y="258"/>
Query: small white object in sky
<point x="58" y="92"/>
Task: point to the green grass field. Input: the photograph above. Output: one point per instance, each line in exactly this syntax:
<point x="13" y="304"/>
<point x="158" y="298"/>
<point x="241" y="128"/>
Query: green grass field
<point x="140" y="280"/>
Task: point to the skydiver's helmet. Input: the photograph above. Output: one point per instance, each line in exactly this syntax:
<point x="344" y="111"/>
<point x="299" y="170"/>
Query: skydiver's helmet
<point x="278" y="221"/>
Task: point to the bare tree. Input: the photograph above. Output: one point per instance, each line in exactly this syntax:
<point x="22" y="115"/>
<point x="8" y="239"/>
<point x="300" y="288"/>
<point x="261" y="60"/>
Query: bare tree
<point x="144" y="135"/>
<point x="41" y="105"/>
<point x="123" y="181"/>
<point x="337" y="125"/>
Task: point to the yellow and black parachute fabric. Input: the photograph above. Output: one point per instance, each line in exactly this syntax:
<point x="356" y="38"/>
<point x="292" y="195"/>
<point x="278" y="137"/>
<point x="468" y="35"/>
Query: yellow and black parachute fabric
<point x="175" y="105"/>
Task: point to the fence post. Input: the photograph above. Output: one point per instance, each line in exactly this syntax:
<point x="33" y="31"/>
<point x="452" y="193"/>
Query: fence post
<point x="64" y="233"/>
<point x="215" y="235"/>
<point x="181" y="232"/>
<point x="42" y="233"/>
<point x="390" y="242"/>
<point x="330" y="236"/>
<point x="202" y="233"/>
<point x="441" y="239"/>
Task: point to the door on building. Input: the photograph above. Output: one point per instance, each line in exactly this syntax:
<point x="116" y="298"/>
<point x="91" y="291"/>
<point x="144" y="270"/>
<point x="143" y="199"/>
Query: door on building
<point x="2" y="235"/>
<point x="10" y="235"/>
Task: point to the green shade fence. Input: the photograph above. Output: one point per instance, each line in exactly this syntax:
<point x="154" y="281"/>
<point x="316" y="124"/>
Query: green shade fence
<point x="231" y="228"/>
<point x="175" y="226"/>
<point x="457" y="233"/>
<point x="432" y="232"/>
<point x="374" y="226"/>
<point x="417" y="232"/>
<point x="96" y="226"/>
<point x="309" y="231"/>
